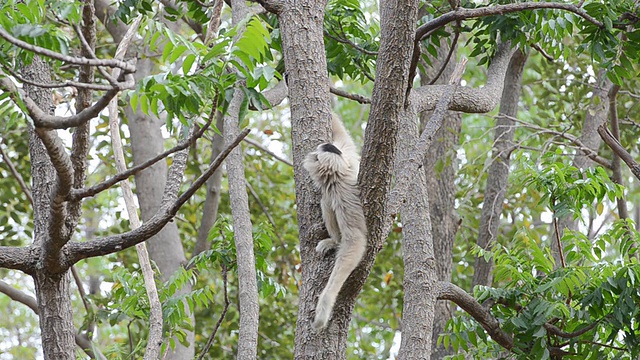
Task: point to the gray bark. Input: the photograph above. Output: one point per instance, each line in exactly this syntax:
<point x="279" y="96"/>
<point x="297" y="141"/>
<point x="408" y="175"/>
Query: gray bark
<point x="498" y="172"/>
<point x="301" y="25"/>
<point x="441" y="189"/>
<point x="212" y="200"/>
<point x="52" y="290"/>
<point x="242" y="230"/>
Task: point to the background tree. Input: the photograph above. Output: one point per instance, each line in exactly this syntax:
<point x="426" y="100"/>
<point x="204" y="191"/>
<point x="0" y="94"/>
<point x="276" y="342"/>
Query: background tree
<point x="192" y="64"/>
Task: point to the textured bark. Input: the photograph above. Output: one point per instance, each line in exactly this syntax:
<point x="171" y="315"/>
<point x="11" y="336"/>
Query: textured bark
<point x="52" y="290"/>
<point x="595" y="116"/>
<point x="165" y="248"/>
<point x="212" y="200"/>
<point x="441" y="189"/>
<point x="242" y="232"/>
<point x="498" y="172"/>
<point x="301" y="25"/>
<point x="418" y="254"/>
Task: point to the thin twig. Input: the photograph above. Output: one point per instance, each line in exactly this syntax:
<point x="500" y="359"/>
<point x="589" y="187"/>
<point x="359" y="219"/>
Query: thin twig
<point x="452" y="48"/>
<point x="555" y="224"/>
<point x="615" y="145"/>
<point x="260" y="147"/>
<point x="68" y="83"/>
<point x="224" y="312"/>
<point x="113" y="63"/>
<point x="350" y="43"/>
<point x="95" y="189"/>
<point x="355" y="97"/>
<point x="25" y="188"/>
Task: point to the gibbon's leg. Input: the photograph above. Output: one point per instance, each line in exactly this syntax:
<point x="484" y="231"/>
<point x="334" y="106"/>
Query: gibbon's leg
<point x="330" y="221"/>
<point x="348" y="257"/>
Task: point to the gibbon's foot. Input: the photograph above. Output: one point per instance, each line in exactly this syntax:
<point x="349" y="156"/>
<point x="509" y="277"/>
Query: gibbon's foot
<point x="326" y="245"/>
<point x="323" y="313"/>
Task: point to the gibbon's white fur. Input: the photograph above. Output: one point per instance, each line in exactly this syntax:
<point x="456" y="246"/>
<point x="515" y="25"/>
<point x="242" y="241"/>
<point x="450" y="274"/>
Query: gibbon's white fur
<point x="334" y="169"/>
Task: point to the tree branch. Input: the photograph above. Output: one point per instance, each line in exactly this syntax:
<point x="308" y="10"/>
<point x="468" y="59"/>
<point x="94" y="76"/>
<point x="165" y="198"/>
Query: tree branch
<point x="259" y="146"/>
<point x="112" y="63"/>
<point x="459" y="14"/>
<point x="355" y="97"/>
<point x="617" y="148"/>
<point x="42" y="119"/>
<point x="589" y="152"/>
<point x="14" y="294"/>
<point x="25" y="188"/>
<point x="81" y="250"/>
<point x="95" y="189"/>
<point x="465" y="99"/>
<point x="350" y="43"/>
<point x="406" y="167"/>
<point x="449" y="291"/>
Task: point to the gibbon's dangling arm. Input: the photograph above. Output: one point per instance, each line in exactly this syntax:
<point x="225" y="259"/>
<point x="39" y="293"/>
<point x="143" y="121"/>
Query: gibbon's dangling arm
<point x="334" y="169"/>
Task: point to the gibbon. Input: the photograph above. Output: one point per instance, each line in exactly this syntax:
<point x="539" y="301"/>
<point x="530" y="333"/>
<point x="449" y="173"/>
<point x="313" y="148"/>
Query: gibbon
<point x="334" y="170"/>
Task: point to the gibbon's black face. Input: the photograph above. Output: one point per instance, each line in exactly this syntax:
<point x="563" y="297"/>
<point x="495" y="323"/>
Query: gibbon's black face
<point x="330" y="148"/>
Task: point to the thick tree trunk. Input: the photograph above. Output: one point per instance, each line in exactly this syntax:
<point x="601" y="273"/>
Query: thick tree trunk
<point x="441" y="189"/>
<point x="301" y="25"/>
<point x="498" y="172"/>
<point x="52" y="290"/>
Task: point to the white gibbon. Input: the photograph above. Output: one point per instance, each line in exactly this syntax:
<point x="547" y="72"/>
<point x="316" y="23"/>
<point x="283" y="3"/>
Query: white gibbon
<point x="334" y="169"/>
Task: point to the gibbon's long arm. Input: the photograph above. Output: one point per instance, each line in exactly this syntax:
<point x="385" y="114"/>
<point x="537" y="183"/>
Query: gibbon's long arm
<point x="334" y="169"/>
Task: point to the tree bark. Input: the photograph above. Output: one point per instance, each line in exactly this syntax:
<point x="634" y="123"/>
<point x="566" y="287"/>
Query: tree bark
<point x="301" y="26"/>
<point x="212" y="200"/>
<point x="52" y="290"/>
<point x="441" y="189"/>
<point x="498" y="172"/>
<point x="242" y="232"/>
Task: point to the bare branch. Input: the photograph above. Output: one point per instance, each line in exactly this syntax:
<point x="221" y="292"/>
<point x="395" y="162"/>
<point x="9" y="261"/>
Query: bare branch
<point x="207" y="346"/>
<point x="42" y="119"/>
<point x="111" y="244"/>
<point x="452" y="48"/>
<point x="18" y="296"/>
<point x="355" y="97"/>
<point x="554" y="330"/>
<point x="465" y="99"/>
<point x="59" y="232"/>
<point x="68" y="83"/>
<point x="449" y="291"/>
<point x="463" y="14"/>
<point x="350" y="43"/>
<point x="413" y="161"/>
<point x="259" y="146"/>
<point x="590" y="153"/>
<point x="272" y="6"/>
<point x="615" y="145"/>
<point x="112" y="63"/>
<point x="95" y="189"/>
<point x="25" y="188"/>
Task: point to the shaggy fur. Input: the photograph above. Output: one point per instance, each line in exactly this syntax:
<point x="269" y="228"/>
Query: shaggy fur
<point x="334" y="169"/>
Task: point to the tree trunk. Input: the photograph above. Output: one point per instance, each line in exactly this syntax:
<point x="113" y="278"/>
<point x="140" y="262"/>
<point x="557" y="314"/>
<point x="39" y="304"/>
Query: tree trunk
<point x="52" y="290"/>
<point x="242" y="233"/>
<point x="498" y="172"/>
<point x="301" y="25"/>
<point x="441" y="189"/>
